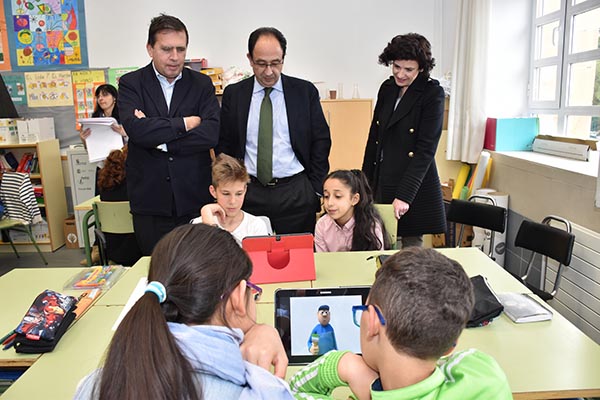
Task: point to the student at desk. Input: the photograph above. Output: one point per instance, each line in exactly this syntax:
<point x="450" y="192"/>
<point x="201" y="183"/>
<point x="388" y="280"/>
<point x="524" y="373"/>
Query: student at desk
<point x="190" y="333"/>
<point x="416" y="310"/>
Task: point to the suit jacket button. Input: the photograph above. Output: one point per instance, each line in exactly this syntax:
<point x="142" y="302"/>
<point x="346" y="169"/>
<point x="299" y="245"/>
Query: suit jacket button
<point x="377" y="142"/>
<point x="411" y="130"/>
<point x="170" y="158"/>
<point x="375" y="163"/>
<point x="168" y="178"/>
<point x="411" y="154"/>
<point x="377" y="122"/>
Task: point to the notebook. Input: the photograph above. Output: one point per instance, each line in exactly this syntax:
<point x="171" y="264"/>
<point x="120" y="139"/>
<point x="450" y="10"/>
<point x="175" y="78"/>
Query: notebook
<point x="319" y="319"/>
<point x="281" y="258"/>
<point x="521" y="308"/>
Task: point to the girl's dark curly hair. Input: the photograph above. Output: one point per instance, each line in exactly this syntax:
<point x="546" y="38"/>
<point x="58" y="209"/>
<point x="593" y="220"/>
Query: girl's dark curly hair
<point x="411" y="46"/>
<point x="113" y="173"/>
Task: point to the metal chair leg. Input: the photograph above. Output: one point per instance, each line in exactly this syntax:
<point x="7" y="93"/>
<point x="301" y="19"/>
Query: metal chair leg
<point x="28" y="229"/>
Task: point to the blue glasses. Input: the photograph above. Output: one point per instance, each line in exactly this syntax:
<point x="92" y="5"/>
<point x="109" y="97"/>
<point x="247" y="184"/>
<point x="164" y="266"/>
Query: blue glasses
<point x="358" y="310"/>
<point x="256" y="290"/>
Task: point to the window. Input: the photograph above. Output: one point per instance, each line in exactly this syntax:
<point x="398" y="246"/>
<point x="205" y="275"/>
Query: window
<point x="564" y="87"/>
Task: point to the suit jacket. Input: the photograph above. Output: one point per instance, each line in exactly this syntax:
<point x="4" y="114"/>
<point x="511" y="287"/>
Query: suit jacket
<point x="399" y="157"/>
<point x="309" y="132"/>
<point x="174" y="182"/>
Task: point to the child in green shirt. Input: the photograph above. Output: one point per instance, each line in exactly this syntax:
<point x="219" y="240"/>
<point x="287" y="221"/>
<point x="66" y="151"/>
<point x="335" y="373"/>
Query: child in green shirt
<point x="418" y="306"/>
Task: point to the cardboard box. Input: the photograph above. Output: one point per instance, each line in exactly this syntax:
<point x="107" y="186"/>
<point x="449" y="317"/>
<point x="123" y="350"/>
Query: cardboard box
<point x="40" y="233"/>
<point x="35" y="130"/>
<point x="510" y="134"/>
<point x="8" y="131"/>
<point x="71" y="238"/>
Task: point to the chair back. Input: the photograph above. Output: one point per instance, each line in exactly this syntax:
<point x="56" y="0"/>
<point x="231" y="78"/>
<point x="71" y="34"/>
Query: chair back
<point x="267" y="222"/>
<point x="486" y="216"/>
<point x="386" y="211"/>
<point x="113" y="216"/>
<point x="549" y="241"/>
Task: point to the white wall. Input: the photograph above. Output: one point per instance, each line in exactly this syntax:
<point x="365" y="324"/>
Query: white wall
<point x="332" y="41"/>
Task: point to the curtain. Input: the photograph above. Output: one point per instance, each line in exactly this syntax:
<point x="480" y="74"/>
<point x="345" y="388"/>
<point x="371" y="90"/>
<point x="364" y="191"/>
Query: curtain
<point x="466" y="119"/>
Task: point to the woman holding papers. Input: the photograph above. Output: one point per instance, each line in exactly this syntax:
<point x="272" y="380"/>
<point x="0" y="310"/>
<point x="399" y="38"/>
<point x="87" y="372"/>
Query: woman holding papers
<point x="106" y="106"/>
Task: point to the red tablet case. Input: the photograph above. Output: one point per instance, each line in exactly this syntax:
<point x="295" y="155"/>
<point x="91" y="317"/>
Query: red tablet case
<point x="281" y="258"/>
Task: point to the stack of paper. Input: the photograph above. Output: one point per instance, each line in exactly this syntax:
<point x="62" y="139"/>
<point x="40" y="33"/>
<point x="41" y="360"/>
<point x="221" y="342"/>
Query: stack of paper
<point x="103" y="138"/>
<point x="523" y="308"/>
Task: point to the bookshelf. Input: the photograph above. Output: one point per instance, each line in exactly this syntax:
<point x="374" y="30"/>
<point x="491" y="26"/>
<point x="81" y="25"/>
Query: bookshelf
<point x="50" y="177"/>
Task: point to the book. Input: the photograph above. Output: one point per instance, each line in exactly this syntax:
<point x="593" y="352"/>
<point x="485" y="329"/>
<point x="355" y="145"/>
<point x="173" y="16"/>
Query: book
<point x="521" y="308"/>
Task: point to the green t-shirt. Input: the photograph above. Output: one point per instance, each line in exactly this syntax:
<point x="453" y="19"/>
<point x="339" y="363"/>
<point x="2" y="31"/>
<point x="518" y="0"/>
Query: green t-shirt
<point x="465" y="375"/>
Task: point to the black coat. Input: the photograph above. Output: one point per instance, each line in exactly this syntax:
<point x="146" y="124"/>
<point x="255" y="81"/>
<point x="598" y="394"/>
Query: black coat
<point x="399" y="157"/>
<point x="173" y="183"/>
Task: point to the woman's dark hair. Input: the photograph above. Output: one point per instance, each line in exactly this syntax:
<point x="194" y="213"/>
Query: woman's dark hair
<point x="165" y="23"/>
<point x="113" y="172"/>
<point x="144" y="360"/>
<point x="106" y="89"/>
<point x="411" y="46"/>
<point x="266" y="31"/>
<point x="366" y="216"/>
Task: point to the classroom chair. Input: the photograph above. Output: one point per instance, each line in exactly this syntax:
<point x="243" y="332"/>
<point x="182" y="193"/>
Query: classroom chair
<point x="486" y="216"/>
<point x="549" y="241"/>
<point x="386" y="211"/>
<point x="111" y="217"/>
<point x="21" y="208"/>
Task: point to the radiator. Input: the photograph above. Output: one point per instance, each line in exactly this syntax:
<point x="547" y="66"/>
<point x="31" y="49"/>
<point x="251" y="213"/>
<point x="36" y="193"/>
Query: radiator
<point x="578" y="298"/>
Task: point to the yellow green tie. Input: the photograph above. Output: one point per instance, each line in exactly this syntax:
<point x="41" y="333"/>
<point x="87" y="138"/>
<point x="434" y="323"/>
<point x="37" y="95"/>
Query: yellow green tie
<point x="264" y="163"/>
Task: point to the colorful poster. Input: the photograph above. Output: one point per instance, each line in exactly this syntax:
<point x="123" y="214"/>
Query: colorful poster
<point x="84" y="87"/>
<point x="4" y="54"/>
<point x="115" y="73"/>
<point x="15" y="83"/>
<point x="49" y="89"/>
<point x="46" y="34"/>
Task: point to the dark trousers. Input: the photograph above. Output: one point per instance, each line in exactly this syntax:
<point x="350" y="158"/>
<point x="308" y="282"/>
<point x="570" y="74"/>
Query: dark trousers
<point x="149" y="229"/>
<point x="290" y="203"/>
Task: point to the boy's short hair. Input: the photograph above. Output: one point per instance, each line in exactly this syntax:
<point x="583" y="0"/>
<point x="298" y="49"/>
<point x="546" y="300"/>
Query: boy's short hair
<point x="426" y="299"/>
<point x="228" y="169"/>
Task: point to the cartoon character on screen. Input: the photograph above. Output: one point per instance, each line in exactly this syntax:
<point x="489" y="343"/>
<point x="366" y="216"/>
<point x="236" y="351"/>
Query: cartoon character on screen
<point x="322" y="337"/>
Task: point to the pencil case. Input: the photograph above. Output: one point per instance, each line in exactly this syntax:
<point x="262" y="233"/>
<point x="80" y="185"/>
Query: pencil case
<point x="487" y="306"/>
<point x="45" y="322"/>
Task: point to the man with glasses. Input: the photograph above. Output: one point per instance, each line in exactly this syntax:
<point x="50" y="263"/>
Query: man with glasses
<point x="417" y="308"/>
<point x="275" y="123"/>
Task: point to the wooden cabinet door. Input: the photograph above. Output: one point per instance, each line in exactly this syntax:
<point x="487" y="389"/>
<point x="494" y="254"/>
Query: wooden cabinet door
<point x="349" y="122"/>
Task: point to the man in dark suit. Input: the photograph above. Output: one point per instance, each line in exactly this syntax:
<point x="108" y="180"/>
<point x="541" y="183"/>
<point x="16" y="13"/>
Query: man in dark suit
<point x="171" y="116"/>
<point x="288" y="189"/>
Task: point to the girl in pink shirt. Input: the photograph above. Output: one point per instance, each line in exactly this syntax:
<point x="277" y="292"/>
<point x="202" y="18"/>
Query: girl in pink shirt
<point x="351" y="222"/>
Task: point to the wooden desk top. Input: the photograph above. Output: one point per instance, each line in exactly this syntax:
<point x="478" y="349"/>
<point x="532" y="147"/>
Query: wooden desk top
<point x="86" y="205"/>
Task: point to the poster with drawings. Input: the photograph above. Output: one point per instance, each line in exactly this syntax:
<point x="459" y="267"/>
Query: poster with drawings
<point x="84" y="88"/>
<point x="46" y="34"/>
<point x="4" y="54"/>
<point x="49" y="89"/>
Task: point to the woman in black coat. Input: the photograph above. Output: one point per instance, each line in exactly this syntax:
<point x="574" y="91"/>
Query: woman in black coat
<point x="407" y="124"/>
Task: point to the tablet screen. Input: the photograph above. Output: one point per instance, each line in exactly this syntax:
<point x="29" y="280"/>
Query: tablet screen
<point x="312" y="322"/>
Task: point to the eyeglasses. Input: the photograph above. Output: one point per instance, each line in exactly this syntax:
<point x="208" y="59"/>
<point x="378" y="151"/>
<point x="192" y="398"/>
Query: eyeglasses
<point x="256" y="290"/>
<point x="358" y="310"/>
<point x="273" y="64"/>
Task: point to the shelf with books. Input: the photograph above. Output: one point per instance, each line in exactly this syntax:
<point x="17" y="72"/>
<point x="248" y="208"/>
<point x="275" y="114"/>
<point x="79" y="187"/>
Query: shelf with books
<point x="47" y="180"/>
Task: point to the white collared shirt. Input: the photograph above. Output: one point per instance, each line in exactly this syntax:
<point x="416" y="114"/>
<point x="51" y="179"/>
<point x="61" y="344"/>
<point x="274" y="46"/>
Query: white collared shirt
<point x="167" y="89"/>
<point x="285" y="162"/>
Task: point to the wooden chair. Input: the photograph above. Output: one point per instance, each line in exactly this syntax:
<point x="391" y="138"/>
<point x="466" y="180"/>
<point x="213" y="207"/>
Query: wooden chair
<point x="486" y="216"/>
<point x="111" y="217"/>
<point x="386" y="211"/>
<point x="550" y="242"/>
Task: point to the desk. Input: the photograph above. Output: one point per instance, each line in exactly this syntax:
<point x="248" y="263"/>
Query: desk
<point x="56" y="375"/>
<point x="544" y="360"/>
<point x="18" y="289"/>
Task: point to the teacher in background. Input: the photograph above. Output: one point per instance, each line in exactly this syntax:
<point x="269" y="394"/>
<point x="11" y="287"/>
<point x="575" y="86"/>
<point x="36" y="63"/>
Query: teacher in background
<point x="403" y="138"/>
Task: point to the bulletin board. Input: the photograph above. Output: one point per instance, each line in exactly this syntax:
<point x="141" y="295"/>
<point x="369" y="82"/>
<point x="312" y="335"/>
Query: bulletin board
<point x="46" y="34"/>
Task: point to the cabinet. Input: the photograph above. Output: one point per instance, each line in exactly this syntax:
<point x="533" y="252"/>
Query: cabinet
<point x="349" y="122"/>
<point x="54" y="206"/>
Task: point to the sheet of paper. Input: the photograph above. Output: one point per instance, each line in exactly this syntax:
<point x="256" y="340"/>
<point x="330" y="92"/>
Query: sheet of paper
<point x="103" y="139"/>
<point x="138" y="292"/>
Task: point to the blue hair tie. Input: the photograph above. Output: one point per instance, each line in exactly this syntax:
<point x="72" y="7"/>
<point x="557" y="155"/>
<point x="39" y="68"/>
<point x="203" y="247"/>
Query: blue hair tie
<point x="158" y="289"/>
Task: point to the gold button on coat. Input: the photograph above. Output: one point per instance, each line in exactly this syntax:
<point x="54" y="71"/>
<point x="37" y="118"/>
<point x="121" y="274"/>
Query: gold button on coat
<point x="411" y="154"/>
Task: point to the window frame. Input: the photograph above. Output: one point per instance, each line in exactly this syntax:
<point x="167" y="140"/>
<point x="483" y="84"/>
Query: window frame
<point x="563" y="61"/>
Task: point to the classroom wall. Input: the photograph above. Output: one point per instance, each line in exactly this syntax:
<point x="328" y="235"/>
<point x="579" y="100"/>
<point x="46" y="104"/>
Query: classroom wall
<point x="336" y="41"/>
